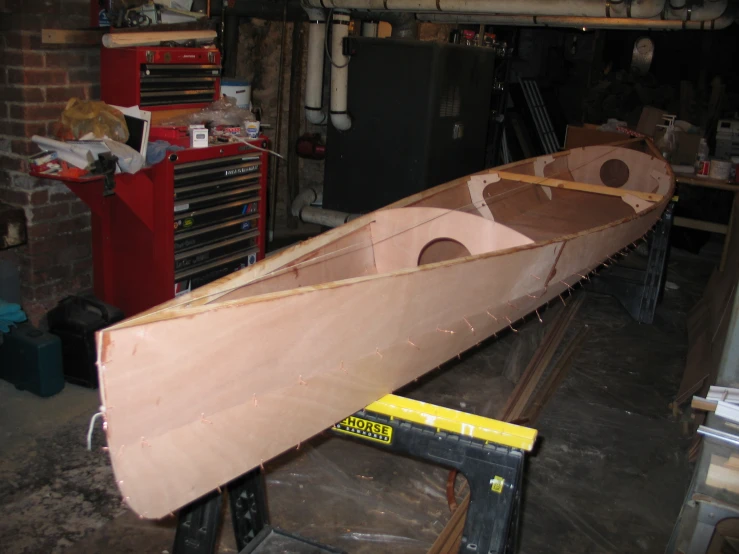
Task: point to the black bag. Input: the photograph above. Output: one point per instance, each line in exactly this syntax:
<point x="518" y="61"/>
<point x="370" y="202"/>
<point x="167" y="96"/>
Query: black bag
<point x="75" y="321"/>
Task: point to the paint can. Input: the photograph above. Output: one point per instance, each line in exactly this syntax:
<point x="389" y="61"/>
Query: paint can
<point x="238" y="89"/>
<point x="720" y="170"/>
<point x="702" y="168"/>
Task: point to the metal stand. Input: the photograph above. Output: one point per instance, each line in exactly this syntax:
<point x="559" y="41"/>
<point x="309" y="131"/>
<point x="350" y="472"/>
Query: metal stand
<point x="489" y="453"/>
<point x="639" y="290"/>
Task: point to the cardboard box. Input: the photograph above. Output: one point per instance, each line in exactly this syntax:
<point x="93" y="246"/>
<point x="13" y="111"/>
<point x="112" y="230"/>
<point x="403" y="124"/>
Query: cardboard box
<point x="649" y="119"/>
<point x="589" y="135"/>
<point x="687" y="149"/>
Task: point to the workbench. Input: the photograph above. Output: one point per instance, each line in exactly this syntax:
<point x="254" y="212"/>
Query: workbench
<point x="701" y="225"/>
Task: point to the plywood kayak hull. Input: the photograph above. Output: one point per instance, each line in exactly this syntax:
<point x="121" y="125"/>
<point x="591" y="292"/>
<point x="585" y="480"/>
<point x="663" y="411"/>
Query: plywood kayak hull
<point x="204" y="389"/>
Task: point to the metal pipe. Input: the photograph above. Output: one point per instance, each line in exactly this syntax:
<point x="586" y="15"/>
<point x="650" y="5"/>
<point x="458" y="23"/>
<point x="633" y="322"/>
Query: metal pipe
<point x="404" y="24"/>
<point x="585" y="23"/>
<point x="278" y="133"/>
<point x="583" y="8"/>
<point x="294" y="119"/>
<point x="626" y="9"/>
<point x="230" y="43"/>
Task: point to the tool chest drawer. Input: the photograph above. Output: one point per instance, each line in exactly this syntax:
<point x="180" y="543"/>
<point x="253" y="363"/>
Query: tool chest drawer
<point x="177" y="84"/>
<point x="195" y="217"/>
<point x="159" y="78"/>
<point x="218" y="219"/>
<point x="195" y="257"/>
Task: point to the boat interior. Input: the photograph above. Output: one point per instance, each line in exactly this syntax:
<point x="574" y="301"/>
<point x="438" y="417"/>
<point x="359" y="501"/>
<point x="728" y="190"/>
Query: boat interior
<point x="537" y="200"/>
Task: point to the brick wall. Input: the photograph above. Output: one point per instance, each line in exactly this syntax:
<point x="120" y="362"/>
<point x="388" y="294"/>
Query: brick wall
<point x="35" y="82"/>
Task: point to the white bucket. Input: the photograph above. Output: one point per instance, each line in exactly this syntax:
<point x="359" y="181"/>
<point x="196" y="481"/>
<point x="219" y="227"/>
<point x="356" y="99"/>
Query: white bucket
<point x="239" y="89"/>
<point x="720" y="170"/>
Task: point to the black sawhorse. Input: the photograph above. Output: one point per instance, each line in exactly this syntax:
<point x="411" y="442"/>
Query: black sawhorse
<point x="639" y="290"/>
<point x="489" y="453"/>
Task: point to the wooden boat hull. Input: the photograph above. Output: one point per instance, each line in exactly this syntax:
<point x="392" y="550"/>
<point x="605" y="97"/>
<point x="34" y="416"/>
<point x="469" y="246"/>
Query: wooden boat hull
<point x="197" y="394"/>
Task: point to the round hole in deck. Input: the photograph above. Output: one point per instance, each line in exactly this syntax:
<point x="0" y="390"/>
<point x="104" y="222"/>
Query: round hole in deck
<point x="614" y="173"/>
<point x="442" y="249"/>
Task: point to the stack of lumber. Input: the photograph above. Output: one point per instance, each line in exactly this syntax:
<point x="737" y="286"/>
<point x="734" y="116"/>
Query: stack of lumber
<point x="723" y="473"/>
<point x="521" y="402"/>
<point x="708" y="324"/>
<point x="708" y="327"/>
<point x="533" y="390"/>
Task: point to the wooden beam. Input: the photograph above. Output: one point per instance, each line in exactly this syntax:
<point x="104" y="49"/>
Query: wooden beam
<point x="574" y="185"/>
<point x="703" y="404"/>
<point x="451" y="536"/>
<point x="700" y="225"/>
<point x="705" y="182"/>
<point x="70" y="36"/>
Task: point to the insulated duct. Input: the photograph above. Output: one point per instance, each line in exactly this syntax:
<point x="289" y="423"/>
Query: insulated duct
<point x="585" y="23"/>
<point x="621" y="9"/>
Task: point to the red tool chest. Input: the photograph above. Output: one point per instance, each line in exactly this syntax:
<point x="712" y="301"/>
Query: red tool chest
<point x="158" y="78"/>
<point x="194" y="217"/>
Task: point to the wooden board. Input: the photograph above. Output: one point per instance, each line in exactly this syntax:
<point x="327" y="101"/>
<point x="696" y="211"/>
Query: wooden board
<point x="71" y="37"/>
<point x="583" y="187"/>
<point x="577" y="137"/>
<point x="202" y="389"/>
<point x="143" y="38"/>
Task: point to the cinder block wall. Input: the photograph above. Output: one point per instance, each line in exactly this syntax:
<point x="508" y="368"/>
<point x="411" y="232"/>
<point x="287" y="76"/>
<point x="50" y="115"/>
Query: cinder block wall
<point x="35" y="82"/>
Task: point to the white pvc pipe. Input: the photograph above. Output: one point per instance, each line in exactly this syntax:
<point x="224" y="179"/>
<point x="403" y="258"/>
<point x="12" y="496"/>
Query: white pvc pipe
<point x="587" y="8"/>
<point x="306" y="197"/>
<point x="369" y="29"/>
<point x="644" y="9"/>
<point x="314" y="79"/>
<point x="709" y="10"/>
<point x="327" y="218"/>
<point x="339" y="72"/>
<point x="584" y="23"/>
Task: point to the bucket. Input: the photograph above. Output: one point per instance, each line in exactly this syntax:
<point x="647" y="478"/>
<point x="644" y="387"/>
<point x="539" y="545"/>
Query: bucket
<point x="240" y="89"/>
<point x="720" y="170"/>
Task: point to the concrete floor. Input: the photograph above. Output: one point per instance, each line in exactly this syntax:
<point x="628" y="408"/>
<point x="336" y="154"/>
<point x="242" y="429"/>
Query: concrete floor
<point x="608" y="475"/>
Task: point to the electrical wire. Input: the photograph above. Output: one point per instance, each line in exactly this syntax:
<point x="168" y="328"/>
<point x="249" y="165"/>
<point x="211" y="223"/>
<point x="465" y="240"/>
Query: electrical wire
<point x="243" y="140"/>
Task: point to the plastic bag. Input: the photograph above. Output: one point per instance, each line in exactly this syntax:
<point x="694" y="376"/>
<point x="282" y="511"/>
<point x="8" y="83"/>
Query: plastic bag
<point x="612" y="125"/>
<point x="221" y="112"/>
<point x="92" y="116"/>
<point x="667" y="142"/>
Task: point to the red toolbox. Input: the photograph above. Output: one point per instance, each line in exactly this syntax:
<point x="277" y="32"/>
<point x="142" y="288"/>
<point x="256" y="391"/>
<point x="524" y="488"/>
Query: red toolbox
<point x="159" y="77"/>
<point x="195" y="217"/>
